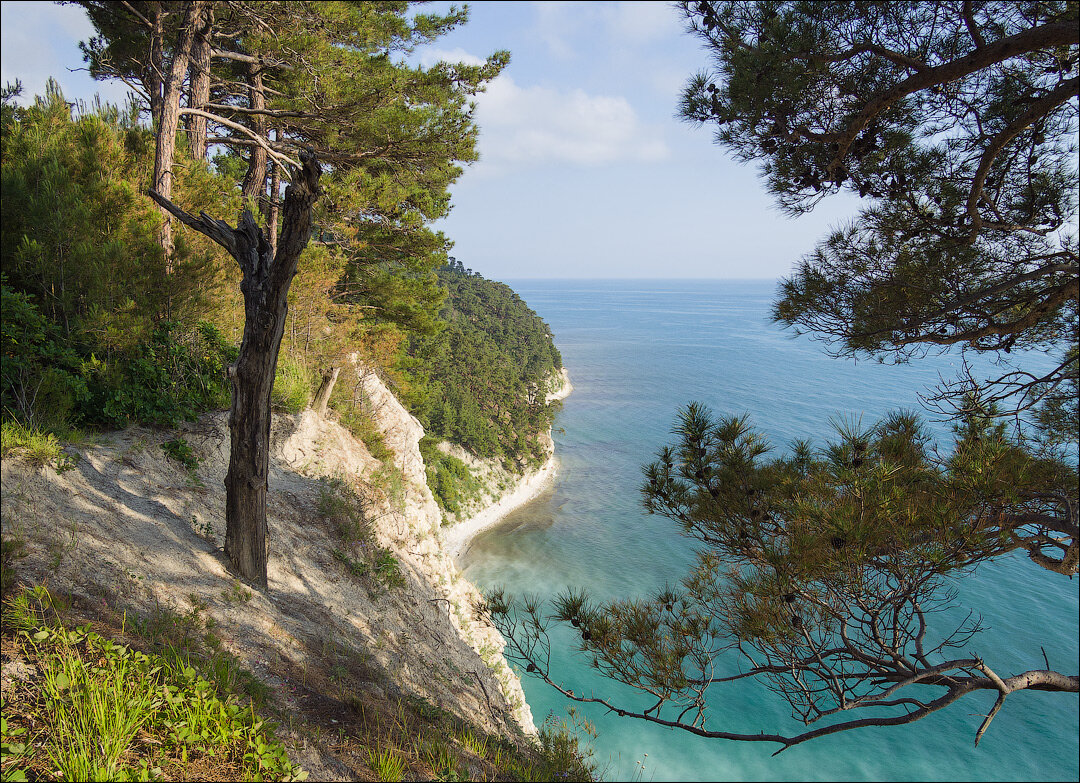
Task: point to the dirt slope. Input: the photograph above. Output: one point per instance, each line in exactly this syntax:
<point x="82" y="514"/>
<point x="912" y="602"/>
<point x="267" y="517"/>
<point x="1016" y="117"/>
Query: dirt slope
<point x="132" y="529"/>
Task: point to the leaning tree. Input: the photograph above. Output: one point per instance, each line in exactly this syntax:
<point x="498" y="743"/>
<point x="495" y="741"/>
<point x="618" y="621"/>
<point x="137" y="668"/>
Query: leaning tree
<point x="284" y="90"/>
<point x="825" y="574"/>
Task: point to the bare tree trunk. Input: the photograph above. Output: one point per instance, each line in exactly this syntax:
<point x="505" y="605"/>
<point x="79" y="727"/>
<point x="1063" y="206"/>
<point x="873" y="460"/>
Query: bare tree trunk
<point x="165" y="148"/>
<point x="157" y="67"/>
<point x="326" y="388"/>
<point x="199" y="93"/>
<point x="266" y="279"/>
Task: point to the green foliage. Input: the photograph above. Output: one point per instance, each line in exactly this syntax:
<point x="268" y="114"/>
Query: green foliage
<point x="386" y="762"/>
<point x="294" y="384"/>
<point x="450" y="479"/>
<point x="178" y="373"/>
<point x="105" y="711"/>
<point x="482" y="381"/>
<point x="42" y="378"/>
<point x="180" y="450"/>
<point x="969" y="237"/>
<point x="360" y="423"/>
<point x="41" y="448"/>
<point x="94" y="331"/>
<point x="561" y="754"/>
<point x="339" y="505"/>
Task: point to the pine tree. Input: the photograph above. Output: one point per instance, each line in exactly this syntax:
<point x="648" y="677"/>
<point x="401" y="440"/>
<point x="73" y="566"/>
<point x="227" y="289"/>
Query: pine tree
<point x="817" y="571"/>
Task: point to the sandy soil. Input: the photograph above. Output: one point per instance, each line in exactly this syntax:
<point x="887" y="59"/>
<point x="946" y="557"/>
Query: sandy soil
<point x="135" y="531"/>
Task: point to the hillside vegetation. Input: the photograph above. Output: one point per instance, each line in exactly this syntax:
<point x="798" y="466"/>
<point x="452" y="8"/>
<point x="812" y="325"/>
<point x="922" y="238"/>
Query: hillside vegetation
<point x="116" y="349"/>
<point x="486" y="375"/>
<point x="96" y="334"/>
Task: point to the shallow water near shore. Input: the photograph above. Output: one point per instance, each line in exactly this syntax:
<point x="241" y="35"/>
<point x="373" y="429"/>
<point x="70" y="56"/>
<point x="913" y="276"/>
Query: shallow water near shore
<point x="638" y="350"/>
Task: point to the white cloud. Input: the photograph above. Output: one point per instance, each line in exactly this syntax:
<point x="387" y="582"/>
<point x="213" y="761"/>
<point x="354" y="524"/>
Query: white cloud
<point x="568" y="29"/>
<point x="40" y="40"/>
<point x="638" y="22"/>
<point x="429" y="57"/>
<point x="528" y="125"/>
<point x="555" y="22"/>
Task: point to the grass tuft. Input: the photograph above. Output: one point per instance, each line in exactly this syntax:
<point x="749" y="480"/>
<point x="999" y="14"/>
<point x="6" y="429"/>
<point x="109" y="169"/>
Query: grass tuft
<point x="38" y="447"/>
<point x="102" y="710"/>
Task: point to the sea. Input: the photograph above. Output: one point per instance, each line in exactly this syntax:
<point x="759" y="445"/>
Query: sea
<point x="636" y="352"/>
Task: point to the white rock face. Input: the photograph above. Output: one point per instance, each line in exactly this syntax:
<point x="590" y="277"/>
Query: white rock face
<point x="422" y="518"/>
<point x="133" y="527"/>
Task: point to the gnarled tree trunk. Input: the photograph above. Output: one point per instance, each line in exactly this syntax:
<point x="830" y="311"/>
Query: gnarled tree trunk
<point x="266" y="279"/>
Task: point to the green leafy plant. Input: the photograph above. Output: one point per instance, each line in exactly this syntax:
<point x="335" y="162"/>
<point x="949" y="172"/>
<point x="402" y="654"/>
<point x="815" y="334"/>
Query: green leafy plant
<point x="108" y="711"/>
<point x="180" y="450"/>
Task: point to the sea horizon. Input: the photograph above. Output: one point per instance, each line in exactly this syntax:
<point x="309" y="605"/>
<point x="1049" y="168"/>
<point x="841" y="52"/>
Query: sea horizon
<point x="635" y="355"/>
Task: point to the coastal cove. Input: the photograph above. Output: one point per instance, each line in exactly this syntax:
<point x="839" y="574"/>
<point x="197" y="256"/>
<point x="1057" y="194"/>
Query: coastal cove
<point x="638" y="350"/>
<point x="457" y="538"/>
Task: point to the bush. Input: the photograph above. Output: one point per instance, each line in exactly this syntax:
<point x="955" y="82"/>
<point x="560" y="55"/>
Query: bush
<point x="40" y="377"/>
<point x="180" y="450"/>
<point x="450" y="480"/>
<point x="176" y="376"/>
<point x="293" y="386"/>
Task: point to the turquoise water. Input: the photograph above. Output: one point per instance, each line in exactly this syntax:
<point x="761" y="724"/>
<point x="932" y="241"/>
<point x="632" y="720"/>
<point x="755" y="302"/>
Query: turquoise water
<point x="636" y="351"/>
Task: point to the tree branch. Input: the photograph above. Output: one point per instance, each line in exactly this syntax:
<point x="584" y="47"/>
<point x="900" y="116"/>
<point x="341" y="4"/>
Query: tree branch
<point x="217" y="230"/>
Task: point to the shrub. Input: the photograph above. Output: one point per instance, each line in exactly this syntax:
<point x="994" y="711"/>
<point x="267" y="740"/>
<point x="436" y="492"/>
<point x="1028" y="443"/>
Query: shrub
<point x="175" y="376"/>
<point x="180" y="450"/>
<point x="450" y="480"/>
<point x="293" y="385"/>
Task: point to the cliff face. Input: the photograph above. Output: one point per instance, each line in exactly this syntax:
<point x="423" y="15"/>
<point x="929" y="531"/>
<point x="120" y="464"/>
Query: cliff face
<point x="133" y="530"/>
<point x="502" y="491"/>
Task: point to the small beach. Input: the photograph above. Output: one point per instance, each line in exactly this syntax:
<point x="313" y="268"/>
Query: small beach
<point x="456" y="539"/>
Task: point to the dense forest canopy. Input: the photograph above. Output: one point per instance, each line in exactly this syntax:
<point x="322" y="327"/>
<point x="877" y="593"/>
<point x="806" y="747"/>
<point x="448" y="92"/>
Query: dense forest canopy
<point x="483" y="381"/>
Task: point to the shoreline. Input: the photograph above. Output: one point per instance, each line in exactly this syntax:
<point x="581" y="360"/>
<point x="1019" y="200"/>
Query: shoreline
<point x="456" y="539"/>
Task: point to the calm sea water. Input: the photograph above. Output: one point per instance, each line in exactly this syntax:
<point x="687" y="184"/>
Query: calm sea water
<point x="636" y="351"/>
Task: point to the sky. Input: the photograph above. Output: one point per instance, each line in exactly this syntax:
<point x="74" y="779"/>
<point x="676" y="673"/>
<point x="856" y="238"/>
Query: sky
<point x="585" y="170"/>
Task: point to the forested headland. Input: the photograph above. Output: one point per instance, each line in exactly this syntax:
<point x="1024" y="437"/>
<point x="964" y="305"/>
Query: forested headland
<point x="96" y="333"/>
<point x="309" y="129"/>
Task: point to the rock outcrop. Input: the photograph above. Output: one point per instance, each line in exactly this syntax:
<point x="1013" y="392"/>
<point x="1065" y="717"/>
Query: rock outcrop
<point x="130" y="526"/>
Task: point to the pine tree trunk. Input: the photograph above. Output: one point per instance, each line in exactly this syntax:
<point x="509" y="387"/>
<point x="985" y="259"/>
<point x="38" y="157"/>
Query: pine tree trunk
<point x="157" y="45"/>
<point x="254" y="186"/>
<point x="265" y="286"/>
<point x="165" y="147"/>
<point x="199" y="91"/>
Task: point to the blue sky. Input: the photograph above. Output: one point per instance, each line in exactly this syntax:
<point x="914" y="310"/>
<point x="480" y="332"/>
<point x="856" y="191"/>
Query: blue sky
<point x="585" y="170"/>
